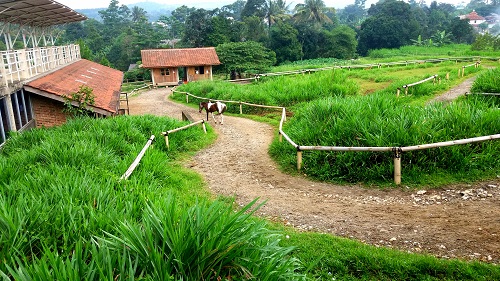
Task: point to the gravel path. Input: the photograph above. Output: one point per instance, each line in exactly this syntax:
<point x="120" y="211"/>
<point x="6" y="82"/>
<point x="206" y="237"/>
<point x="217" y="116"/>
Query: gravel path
<point x="454" y="221"/>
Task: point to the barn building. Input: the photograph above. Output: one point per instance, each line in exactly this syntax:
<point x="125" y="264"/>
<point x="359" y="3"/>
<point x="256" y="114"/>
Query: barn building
<point x="35" y="77"/>
<point x="173" y="66"/>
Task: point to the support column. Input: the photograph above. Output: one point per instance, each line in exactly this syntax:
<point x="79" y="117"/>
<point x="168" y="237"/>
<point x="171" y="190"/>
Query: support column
<point x="10" y="113"/>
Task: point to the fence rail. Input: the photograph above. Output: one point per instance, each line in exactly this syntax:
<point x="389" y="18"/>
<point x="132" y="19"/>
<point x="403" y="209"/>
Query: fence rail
<point x="397" y="151"/>
<point x="137" y="160"/>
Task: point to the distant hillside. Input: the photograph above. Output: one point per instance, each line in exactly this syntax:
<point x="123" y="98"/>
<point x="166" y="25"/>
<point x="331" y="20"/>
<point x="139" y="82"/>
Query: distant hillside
<point x="154" y="10"/>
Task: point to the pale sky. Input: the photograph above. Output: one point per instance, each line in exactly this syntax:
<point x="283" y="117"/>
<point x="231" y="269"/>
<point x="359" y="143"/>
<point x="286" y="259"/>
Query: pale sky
<point x="87" y="4"/>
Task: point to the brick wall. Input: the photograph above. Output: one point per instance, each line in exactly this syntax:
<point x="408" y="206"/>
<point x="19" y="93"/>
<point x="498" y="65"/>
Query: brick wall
<point x="48" y="113"/>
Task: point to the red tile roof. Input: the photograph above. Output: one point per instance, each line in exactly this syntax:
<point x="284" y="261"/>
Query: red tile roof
<point x="474" y="16"/>
<point x="104" y="81"/>
<point x="179" y="57"/>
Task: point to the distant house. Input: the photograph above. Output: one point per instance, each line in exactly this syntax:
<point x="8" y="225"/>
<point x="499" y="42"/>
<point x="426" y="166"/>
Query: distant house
<point x="47" y="92"/>
<point x="473" y="18"/>
<point x="170" y="66"/>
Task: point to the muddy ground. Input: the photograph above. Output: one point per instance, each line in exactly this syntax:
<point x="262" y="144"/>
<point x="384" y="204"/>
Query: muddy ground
<point x="458" y="221"/>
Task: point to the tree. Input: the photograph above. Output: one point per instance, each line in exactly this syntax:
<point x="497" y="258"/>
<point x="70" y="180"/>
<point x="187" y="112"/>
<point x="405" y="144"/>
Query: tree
<point x="255" y="30"/>
<point x="441" y="38"/>
<point x="240" y="57"/>
<point x="343" y="43"/>
<point x="198" y="27"/>
<point x="254" y="8"/>
<point x="461" y="30"/>
<point x="277" y="10"/>
<point x="284" y="42"/>
<point x="139" y="15"/>
<point x="390" y="25"/>
<point x="314" y="11"/>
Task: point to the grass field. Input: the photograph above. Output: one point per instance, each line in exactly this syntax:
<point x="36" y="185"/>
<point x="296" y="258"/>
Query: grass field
<point x="65" y="215"/>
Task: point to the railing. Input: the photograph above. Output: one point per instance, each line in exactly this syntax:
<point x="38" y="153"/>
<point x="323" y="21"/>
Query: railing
<point x="18" y="65"/>
<point x="397" y="151"/>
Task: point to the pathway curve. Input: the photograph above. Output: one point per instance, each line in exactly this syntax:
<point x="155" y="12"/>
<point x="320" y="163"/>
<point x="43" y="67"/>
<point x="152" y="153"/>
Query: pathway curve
<point x="453" y="221"/>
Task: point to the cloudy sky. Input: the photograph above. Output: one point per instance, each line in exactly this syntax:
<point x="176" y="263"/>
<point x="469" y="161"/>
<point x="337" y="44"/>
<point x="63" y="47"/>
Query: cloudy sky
<point x="86" y="4"/>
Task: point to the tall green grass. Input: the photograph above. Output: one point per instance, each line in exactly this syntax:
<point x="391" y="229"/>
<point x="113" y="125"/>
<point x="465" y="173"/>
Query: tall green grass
<point x="382" y="120"/>
<point x="487" y="82"/>
<point x="279" y="91"/>
<point x="64" y="209"/>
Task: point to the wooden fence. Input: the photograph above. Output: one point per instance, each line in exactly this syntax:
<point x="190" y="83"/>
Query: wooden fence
<point x="137" y="159"/>
<point x="165" y="134"/>
<point x="433" y="78"/>
<point x="364" y="66"/>
<point x="397" y="151"/>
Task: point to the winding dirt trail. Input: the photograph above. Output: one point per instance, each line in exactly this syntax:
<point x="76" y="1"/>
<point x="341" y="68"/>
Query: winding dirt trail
<point x="454" y="221"/>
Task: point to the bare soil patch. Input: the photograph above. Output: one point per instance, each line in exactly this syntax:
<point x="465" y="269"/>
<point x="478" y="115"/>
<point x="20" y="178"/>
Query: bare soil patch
<point x="459" y="221"/>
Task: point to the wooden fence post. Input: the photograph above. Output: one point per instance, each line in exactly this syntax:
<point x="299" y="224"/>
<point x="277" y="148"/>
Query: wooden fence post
<point x="463" y="71"/>
<point x="166" y="140"/>
<point x="241" y="108"/>
<point x="406" y="90"/>
<point x="281" y="136"/>
<point x="204" y="126"/>
<point x="187" y="98"/>
<point x="299" y="159"/>
<point x="447" y="76"/>
<point x="398" y="92"/>
<point x="397" y="165"/>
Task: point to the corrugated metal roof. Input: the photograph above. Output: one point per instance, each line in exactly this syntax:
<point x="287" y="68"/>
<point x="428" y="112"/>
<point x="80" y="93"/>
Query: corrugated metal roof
<point x="38" y="13"/>
<point x="158" y="58"/>
<point x="105" y="82"/>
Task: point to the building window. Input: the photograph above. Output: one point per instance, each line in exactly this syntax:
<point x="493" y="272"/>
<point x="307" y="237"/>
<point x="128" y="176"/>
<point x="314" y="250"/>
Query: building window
<point x="165" y="71"/>
<point x="200" y="70"/>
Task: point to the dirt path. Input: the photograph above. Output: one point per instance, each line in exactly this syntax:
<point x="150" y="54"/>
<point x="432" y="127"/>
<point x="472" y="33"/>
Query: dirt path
<point x="454" y="221"/>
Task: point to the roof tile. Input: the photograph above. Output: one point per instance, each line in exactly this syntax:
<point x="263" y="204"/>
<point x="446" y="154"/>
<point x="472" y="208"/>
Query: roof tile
<point x="179" y="57"/>
<point x="104" y="81"/>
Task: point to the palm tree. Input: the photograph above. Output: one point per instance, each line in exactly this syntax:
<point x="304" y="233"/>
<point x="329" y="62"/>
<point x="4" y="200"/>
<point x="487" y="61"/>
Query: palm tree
<point x="139" y="14"/>
<point x="277" y="10"/>
<point x="312" y="11"/>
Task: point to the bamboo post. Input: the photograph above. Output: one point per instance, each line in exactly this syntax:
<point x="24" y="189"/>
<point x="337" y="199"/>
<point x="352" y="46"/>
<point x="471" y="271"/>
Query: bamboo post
<point x="459" y="72"/>
<point x="281" y="136"/>
<point x="166" y="141"/>
<point x="439" y="81"/>
<point x="299" y="159"/>
<point x="398" y="92"/>
<point x="463" y="71"/>
<point x="406" y="90"/>
<point x="187" y="98"/>
<point x="241" y="108"/>
<point x="447" y="76"/>
<point x="204" y="126"/>
<point x="434" y="81"/>
<point x="397" y="165"/>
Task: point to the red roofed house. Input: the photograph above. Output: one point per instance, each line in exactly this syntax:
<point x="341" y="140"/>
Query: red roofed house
<point x="473" y="18"/>
<point x="47" y="92"/>
<point x="169" y="66"/>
